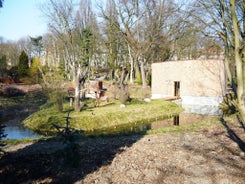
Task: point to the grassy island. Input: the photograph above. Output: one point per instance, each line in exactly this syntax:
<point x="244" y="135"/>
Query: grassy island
<point x="106" y="116"/>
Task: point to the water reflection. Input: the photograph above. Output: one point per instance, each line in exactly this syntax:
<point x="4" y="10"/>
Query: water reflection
<point x="15" y="109"/>
<point x="179" y="120"/>
<point x="18" y="133"/>
<point x="14" y="129"/>
<point x="176" y="120"/>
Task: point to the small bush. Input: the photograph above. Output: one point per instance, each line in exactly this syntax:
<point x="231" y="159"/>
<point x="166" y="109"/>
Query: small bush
<point x="10" y="91"/>
<point x="228" y="106"/>
<point x="138" y="80"/>
<point x="123" y="93"/>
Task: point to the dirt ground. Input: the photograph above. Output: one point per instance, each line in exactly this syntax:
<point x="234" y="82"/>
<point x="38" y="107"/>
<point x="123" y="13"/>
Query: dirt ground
<point x="213" y="155"/>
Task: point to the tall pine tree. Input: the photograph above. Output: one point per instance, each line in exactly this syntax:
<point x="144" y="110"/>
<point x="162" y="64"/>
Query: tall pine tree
<point x="3" y="66"/>
<point x="23" y="67"/>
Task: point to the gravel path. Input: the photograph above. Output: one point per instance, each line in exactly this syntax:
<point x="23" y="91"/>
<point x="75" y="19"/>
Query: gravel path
<point x="176" y="158"/>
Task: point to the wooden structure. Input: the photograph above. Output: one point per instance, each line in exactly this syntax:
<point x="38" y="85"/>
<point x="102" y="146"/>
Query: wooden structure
<point x="93" y="89"/>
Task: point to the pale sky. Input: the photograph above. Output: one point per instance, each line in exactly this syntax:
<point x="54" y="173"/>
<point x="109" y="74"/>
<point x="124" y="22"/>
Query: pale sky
<point x="21" y="18"/>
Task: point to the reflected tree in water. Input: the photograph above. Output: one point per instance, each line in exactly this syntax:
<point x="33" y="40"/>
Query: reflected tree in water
<point x="2" y="135"/>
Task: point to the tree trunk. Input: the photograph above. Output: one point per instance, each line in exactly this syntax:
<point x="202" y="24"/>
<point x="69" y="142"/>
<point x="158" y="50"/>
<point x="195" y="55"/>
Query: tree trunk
<point x="131" y="65"/>
<point x="77" y="91"/>
<point x="77" y="99"/>
<point x="227" y="69"/>
<point x="239" y="63"/>
<point x="136" y="67"/>
<point x="143" y="77"/>
<point x="240" y="84"/>
<point x="60" y="103"/>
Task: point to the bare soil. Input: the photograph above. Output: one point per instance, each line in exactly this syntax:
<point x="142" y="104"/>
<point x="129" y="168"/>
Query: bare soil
<point x="10" y="90"/>
<point x="213" y="155"/>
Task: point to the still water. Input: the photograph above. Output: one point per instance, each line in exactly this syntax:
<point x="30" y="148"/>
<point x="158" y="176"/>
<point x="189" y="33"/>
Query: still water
<point x="15" y="129"/>
<point x="179" y="120"/>
<point x="19" y="133"/>
<point x="15" y="109"/>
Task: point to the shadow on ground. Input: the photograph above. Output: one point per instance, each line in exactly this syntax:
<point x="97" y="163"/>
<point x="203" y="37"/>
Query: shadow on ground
<point x="216" y="155"/>
<point x="52" y="161"/>
<point x="232" y="134"/>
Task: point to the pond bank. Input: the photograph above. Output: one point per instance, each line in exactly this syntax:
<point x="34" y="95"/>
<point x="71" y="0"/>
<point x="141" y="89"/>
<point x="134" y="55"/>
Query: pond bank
<point x="13" y="110"/>
<point x="108" y="116"/>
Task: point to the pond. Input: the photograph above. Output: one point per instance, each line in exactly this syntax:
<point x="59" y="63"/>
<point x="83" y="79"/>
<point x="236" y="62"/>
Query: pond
<point x="15" y="110"/>
<point x="15" y="129"/>
<point x="179" y="120"/>
<point x="193" y="113"/>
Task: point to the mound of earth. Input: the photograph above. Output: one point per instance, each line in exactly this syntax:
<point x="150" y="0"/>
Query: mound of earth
<point x="10" y="90"/>
<point x="213" y="155"/>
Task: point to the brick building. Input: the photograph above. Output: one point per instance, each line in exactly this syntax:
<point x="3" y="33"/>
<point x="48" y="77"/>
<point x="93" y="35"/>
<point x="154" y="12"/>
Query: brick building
<point x="195" y="82"/>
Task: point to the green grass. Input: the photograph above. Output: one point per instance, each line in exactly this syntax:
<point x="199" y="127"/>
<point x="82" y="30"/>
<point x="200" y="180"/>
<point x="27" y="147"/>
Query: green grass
<point x="106" y="116"/>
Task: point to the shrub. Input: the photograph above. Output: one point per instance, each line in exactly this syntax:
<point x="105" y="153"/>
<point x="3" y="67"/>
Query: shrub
<point x="228" y="106"/>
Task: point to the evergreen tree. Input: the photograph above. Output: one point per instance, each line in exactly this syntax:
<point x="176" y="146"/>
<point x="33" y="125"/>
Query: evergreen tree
<point x="37" y="44"/>
<point x="3" y="66"/>
<point x="34" y="69"/>
<point x="23" y="67"/>
<point x="13" y="72"/>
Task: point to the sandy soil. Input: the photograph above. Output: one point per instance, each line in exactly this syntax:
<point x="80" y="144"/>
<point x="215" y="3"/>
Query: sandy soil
<point x="214" y="155"/>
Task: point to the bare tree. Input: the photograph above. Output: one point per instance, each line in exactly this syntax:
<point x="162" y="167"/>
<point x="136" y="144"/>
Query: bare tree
<point x="113" y="40"/>
<point x="148" y="30"/>
<point x="11" y="51"/>
<point x="62" y="24"/>
<point x="86" y="24"/>
<point x="228" y="19"/>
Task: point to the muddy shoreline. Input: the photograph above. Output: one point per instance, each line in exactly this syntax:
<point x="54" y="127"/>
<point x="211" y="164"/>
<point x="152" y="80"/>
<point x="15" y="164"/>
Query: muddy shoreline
<point x="14" y="109"/>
